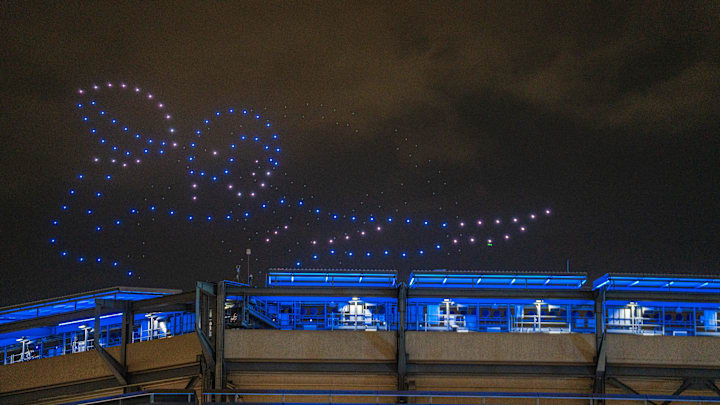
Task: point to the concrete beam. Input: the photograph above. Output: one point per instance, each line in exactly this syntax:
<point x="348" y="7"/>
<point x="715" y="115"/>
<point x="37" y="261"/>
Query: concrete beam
<point x="300" y="367"/>
<point x="687" y="383"/>
<point x="663" y="372"/>
<point x="118" y="370"/>
<point x="503" y="369"/>
<point x="84" y="388"/>
<point x="710" y="384"/>
<point x="193" y="381"/>
<point x="619" y="384"/>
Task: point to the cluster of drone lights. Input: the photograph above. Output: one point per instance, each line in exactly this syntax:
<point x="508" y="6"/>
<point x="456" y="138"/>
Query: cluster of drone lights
<point x="240" y="176"/>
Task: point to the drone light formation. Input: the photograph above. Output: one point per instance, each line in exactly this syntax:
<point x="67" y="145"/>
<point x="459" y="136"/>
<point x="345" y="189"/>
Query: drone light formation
<point x="223" y="182"/>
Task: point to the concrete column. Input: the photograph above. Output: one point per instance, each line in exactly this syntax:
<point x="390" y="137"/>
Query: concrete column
<point x="203" y="309"/>
<point x="128" y="321"/>
<point x="600" y="343"/>
<point x="219" y="333"/>
<point x="401" y="353"/>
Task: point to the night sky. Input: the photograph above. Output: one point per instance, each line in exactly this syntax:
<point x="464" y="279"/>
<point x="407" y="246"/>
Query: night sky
<point x="451" y="113"/>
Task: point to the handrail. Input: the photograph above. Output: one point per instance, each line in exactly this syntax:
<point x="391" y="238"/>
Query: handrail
<point x="139" y="394"/>
<point x="208" y="396"/>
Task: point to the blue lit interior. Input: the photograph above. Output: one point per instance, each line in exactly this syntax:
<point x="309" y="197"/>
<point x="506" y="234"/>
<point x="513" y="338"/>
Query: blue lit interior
<point x="315" y="313"/>
<point x="500" y="315"/>
<point x="330" y="279"/>
<point x="495" y="280"/>
<point x="662" y="318"/>
<point x="643" y="317"/>
<point x="70" y="304"/>
<point x="78" y="335"/>
<point x="621" y="282"/>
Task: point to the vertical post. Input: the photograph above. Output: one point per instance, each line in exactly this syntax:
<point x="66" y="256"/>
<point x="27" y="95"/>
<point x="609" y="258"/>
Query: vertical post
<point x="96" y="329"/>
<point x="128" y="321"/>
<point x="219" y="332"/>
<point x="663" y="320"/>
<point x="198" y="310"/>
<point x="203" y="292"/>
<point x="401" y="353"/>
<point x="599" y="309"/>
<point x="509" y="322"/>
<point x="600" y="343"/>
<point x="248" y="252"/>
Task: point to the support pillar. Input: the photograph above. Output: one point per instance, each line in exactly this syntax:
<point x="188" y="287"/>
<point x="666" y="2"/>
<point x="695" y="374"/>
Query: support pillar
<point x="118" y="370"/>
<point x="205" y="332"/>
<point x="600" y="344"/>
<point x="401" y="353"/>
<point x="219" y="332"/>
<point x="128" y="323"/>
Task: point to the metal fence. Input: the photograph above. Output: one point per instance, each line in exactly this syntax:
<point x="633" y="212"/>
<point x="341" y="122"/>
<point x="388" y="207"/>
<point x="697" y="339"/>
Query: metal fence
<point x="438" y="397"/>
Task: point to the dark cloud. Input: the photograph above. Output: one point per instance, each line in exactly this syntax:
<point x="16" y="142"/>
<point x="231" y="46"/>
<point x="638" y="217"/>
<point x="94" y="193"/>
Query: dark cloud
<point x="607" y="110"/>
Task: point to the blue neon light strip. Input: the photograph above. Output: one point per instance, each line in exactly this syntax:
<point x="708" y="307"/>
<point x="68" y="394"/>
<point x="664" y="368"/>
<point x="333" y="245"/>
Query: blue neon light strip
<point x="494" y="280"/>
<point x="657" y="283"/>
<point x="331" y="279"/>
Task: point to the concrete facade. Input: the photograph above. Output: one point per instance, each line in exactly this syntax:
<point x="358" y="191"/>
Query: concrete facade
<point x="668" y="351"/>
<point x="215" y="358"/>
<point x="155" y="360"/>
<point x="310" y="346"/>
<point x="494" y="348"/>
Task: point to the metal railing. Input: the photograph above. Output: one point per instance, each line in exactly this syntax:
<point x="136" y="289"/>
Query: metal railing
<point x="69" y="342"/>
<point x="142" y="397"/>
<point x="662" y="320"/>
<point x="434" y="397"/>
<point x="319" y="315"/>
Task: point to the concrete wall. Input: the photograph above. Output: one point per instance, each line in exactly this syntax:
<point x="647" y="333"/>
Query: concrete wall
<point x="87" y="366"/>
<point x="508" y="348"/>
<point x="163" y="353"/>
<point x="312" y="346"/>
<point x="54" y="371"/>
<point x="671" y="351"/>
<point x="359" y="347"/>
<point x="313" y="381"/>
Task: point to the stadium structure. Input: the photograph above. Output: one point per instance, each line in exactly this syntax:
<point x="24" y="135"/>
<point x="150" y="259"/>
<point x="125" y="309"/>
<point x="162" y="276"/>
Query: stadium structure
<point x="366" y="336"/>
